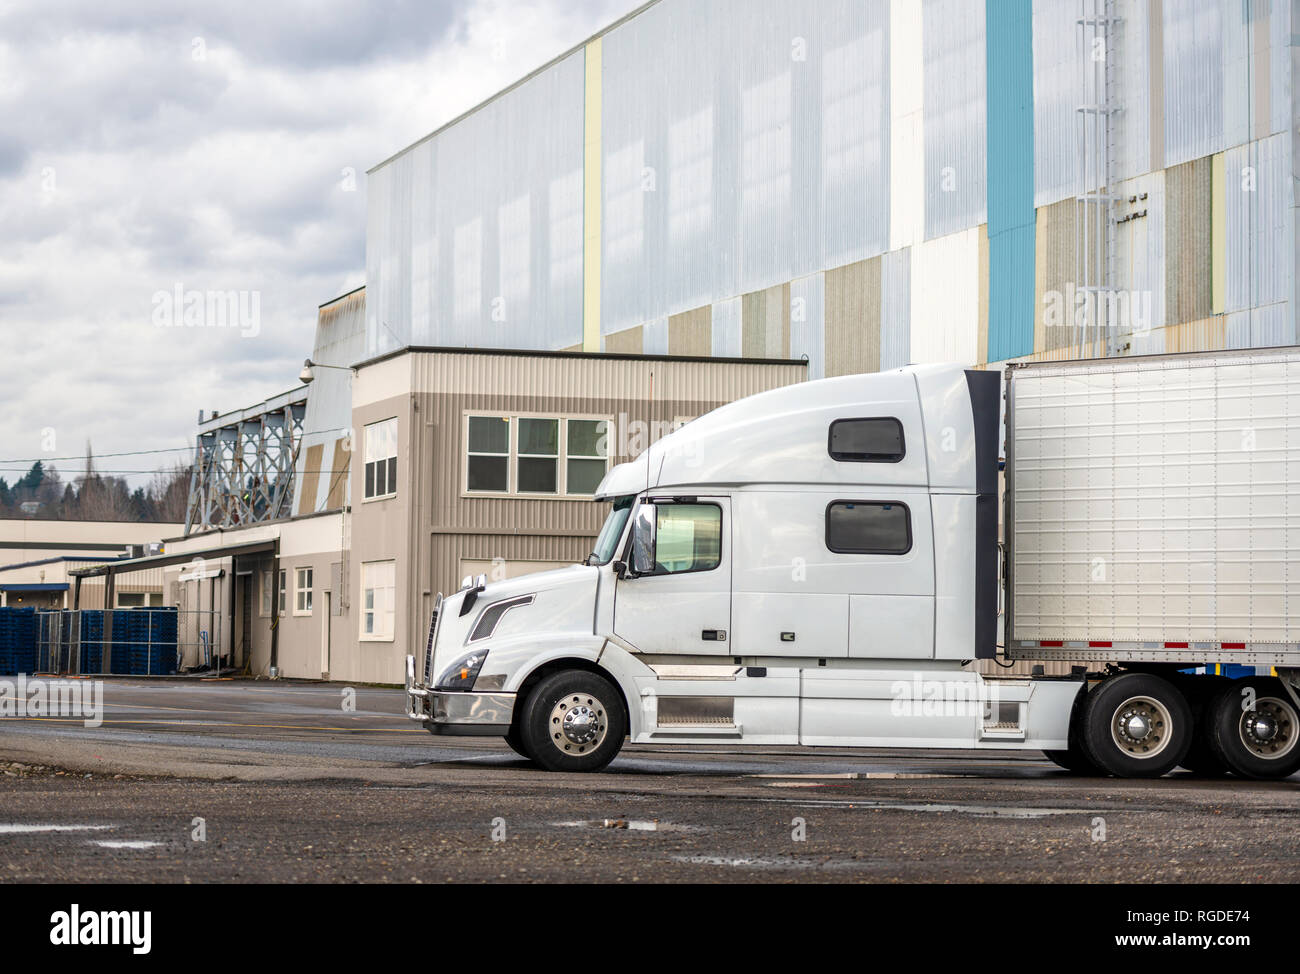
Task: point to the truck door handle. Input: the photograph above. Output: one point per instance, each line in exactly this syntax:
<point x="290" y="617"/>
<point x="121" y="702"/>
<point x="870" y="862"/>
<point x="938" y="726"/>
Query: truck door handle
<point x="714" y="635"/>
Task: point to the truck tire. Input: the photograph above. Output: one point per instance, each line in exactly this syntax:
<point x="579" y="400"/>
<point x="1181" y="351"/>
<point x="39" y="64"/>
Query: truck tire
<point x="1201" y="692"/>
<point x="1261" y="742"/>
<point x="1074" y="759"/>
<point x="1136" y="725"/>
<point x="573" y="721"/>
<point x="516" y="742"/>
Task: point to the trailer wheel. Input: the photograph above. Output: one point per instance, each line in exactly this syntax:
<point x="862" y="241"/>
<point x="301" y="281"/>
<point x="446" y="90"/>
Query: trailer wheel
<point x="573" y="721"/>
<point x="1200" y="693"/>
<point x="1262" y="741"/>
<point x="1136" y="725"/>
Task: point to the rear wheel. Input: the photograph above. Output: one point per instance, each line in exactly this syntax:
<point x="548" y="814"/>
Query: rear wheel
<point x="1254" y="729"/>
<point x="1200" y="693"/>
<point x="1136" y="725"/>
<point x="1074" y="759"/>
<point x="573" y="721"/>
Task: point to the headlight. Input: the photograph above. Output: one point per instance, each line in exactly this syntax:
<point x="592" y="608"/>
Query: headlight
<point x="462" y="673"/>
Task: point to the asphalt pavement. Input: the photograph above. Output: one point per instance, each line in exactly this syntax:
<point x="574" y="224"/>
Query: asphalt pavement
<point x="194" y="781"/>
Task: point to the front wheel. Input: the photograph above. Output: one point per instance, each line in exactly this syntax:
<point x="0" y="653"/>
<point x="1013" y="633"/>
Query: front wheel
<point x="573" y="721"/>
<point x="1254" y="729"/>
<point x="1136" y="725"/>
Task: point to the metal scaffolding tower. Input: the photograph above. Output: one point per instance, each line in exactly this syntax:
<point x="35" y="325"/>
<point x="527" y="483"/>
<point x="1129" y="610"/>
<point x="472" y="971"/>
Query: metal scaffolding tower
<point x="244" y="464"/>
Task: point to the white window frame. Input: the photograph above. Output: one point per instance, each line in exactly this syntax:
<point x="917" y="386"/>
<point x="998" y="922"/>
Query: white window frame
<point x="510" y="449"/>
<point x="512" y="457"/>
<point x="302" y="606"/>
<point x="384" y="613"/>
<point x="268" y="595"/>
<point x="367" y="460"/>
<point x="280" y="591"/>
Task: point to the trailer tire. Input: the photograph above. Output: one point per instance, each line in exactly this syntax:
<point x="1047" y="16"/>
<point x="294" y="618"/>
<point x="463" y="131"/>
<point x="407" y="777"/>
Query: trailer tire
<point x="1262" y="742"/>
<point x="573" y="721"/>
<point x="1136" y="725"/>
<point x="1200" y="693"/>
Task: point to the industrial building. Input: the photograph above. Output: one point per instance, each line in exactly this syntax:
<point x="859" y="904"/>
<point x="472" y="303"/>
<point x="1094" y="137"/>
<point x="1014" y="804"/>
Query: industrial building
<point x="705" y="200"/>
<point x="36" y="556"/>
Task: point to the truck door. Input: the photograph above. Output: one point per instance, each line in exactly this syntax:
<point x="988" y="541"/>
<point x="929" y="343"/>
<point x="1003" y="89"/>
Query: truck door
<point x="680" y="601"/>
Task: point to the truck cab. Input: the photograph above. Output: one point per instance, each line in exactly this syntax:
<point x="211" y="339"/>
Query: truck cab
<point x="811" y="565"/>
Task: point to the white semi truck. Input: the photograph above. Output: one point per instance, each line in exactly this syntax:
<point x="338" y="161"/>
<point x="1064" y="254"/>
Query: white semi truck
<point x="819" y="565"/>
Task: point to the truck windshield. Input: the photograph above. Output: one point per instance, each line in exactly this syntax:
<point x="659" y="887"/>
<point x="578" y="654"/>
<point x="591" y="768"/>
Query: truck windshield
<point x="612" y="531"/>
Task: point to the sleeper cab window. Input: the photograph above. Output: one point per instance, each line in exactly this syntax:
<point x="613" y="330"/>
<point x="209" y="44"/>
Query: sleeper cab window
<point x="877" y="439"/>
<point x="868" y="528"/>
<point x="688" y="538"/>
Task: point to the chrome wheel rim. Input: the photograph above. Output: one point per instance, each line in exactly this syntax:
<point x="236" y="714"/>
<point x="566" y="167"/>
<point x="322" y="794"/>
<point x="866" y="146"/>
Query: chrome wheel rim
<point x="578" y="723"/>
<point x="1140" y="727"/>
<point x="1268" y="731"/>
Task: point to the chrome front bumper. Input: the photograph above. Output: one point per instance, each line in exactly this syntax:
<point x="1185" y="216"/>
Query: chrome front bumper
<point x="457" y="712"/>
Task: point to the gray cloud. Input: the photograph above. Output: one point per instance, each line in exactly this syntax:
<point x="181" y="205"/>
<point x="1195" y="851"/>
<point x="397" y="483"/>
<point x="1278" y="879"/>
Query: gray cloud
<point x="129" y="166"/>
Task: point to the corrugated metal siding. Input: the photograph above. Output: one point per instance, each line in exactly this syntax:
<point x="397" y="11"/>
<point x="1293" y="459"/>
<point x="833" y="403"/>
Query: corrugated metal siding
<point x="1058" y="302"/>
<point x="1208" y="72"/>
<point x="1188" y="276"/>
<point x="1260" y="235"/>
<point x="906" y="125"/>
<point x="320" y="481"/>
<point x="654" y="337"/>
<point x="467" y="244"/>
<point x="853" y="318"/>
<point x="691" y="332"/>
<point x="1010" y="321"/>
<point x="1140" y="252"/>
<point x="1058" y="68"/>
<point x="807" y="322"/>
<point x="953" y="42"/>
<point x="945" y="299"/>
<point x="726" y="328"/>
<point x="765" y="323"/>
<point x="896" y="309"/>
<point x="745" y="145"/>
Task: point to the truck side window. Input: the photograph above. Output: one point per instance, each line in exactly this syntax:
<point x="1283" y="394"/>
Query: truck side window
<point x="868" y="527"/>
<point x="688" y="538"/>
<point x="868" y="440"/>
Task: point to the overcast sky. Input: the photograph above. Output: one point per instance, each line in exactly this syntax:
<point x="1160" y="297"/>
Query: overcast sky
<point x="147" y="145"/>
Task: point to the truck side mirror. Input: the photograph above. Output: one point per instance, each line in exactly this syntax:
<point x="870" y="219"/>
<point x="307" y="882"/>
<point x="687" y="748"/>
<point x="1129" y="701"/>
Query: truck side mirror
<point x="643" y="540"/>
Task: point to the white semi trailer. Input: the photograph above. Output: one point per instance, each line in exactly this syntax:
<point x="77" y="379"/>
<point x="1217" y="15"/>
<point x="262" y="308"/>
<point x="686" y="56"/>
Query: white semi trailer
<point x="818" y="565"/>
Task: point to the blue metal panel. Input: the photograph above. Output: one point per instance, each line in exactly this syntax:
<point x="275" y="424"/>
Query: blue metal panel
<point x="1010" y="94"/>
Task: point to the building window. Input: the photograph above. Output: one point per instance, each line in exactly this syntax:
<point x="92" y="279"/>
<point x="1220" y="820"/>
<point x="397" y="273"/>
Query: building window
<point x="377" y="603"/>
<point x="381" y="459"/>
<point x="587" y="448"/>
<point x="874" y="440"/>
<point x="267" y="594"/>
<point x="302" y="585"/>
<point x="536" y="455"/>
<point x="280" y="589"/>
<point x="488" y="467"/>
<point x="130" y="600"/>
<point x="868" y="528"/>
